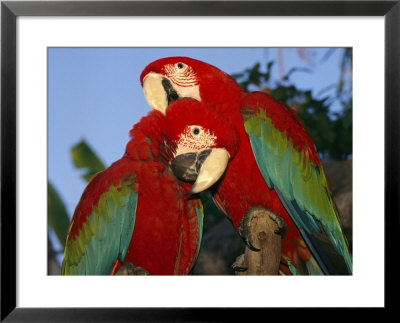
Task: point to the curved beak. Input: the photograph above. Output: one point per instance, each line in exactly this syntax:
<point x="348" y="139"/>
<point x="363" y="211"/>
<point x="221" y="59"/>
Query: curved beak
<point x="158" y="91"/>
<point x="204" y="168"/>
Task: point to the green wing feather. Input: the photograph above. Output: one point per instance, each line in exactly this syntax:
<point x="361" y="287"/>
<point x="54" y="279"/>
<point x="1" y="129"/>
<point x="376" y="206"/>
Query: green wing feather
<point x="106" y="234"/>
<point x="200" y="221"/>
<point x="302" y="188"/>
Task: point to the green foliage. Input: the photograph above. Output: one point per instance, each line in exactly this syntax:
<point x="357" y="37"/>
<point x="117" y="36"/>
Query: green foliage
<point x="331" y="132"/>
<point x="253" y="76"/>
<point x="84" y="157"/>
<point x="57" y="215"/>
<point x="343" y="128"/>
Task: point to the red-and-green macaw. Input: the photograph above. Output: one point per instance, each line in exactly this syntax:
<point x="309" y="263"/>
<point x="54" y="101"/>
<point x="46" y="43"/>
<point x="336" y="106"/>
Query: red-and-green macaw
<point x="276" y="167"/>
<point x="136" y="211"/>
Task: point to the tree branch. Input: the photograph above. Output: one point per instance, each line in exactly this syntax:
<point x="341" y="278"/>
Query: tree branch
<point x="265" y="229"/>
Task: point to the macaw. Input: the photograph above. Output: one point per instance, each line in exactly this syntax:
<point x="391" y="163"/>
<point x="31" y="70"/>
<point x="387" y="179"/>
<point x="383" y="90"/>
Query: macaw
<point x="276" y="167"/>
<point x="136" y="215"/>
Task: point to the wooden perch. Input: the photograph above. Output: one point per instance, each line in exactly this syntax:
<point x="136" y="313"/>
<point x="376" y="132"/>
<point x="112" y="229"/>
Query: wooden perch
<point x="265" y="230"/>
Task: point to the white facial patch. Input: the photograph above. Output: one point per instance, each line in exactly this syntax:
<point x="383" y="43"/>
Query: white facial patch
<point x="184" y="80"/>
<point x="192" y="92"/>
<point x="195" y="139"/>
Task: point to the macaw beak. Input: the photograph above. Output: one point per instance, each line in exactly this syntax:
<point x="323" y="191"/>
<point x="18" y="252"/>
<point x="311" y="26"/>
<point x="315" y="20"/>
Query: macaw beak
<point x="158" y="91"/>
<point x="204" y="168"/>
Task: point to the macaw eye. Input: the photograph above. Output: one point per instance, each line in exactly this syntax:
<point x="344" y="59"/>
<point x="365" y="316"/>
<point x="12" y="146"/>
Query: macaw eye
<point x="196" y="131"/>
<point x="180" y="65"/>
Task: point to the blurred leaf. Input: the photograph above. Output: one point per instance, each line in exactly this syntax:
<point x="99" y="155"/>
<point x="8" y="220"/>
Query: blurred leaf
<point x="328" y="54"/>
<point x="267" y="75"/>
<point x="244" y="86"/>
<point x="269" y="66"/>
<point x="296" y="69"/>
<point x="255" y="75"/>
<point x="84" y="157"/>
<point x="58" y="219"/>
<point x="237" y="76"/>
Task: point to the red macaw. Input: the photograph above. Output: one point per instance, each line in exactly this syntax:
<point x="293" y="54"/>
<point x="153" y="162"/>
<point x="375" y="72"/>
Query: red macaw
<point x="276" y="167"/>
<point x="136" y="212"/>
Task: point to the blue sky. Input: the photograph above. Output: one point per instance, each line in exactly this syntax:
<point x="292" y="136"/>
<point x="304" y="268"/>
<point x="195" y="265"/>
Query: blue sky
<point x="95" y="94"/>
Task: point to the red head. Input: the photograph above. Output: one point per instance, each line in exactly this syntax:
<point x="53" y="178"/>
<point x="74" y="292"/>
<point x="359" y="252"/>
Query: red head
<point x="200" y="124"/>
<point x="191" y="137"/>
<point x="203" y="142"/>
<point x="171" y="66"/>
<point x="167" y="79"/>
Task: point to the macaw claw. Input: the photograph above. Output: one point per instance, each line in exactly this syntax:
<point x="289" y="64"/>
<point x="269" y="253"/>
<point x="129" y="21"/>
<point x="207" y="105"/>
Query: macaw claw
<point x="128" y="269"/>
<point x="280" y="222"/>
<point x="238" y="268"/>
<point x="245" y="231"/>
<point x="251" y="247"/>
<point x="239" y="263"/>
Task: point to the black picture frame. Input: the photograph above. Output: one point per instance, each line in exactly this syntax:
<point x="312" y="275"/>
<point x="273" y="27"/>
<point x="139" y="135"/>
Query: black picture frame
<point x="10" y="10"/>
